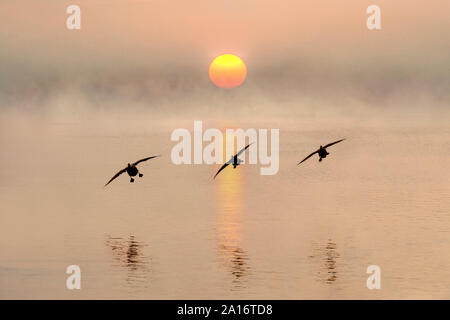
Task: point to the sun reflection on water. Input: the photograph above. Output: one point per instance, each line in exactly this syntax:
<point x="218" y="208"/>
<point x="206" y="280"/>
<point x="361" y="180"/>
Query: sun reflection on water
<point x="229" y="198"/>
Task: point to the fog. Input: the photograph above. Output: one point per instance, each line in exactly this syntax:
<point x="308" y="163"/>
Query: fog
<point x="151" y="57"/>
<point x="77" y="106"/>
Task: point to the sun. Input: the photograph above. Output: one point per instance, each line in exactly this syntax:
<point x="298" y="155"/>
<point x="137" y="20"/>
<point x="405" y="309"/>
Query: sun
<point x="227" y="71"/>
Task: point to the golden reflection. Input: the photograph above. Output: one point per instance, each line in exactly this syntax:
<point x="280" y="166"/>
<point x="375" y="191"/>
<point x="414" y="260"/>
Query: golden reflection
<point x="229" y="198"/>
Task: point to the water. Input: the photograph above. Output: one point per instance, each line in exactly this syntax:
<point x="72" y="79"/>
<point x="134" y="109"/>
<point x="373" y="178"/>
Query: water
<point x="382" y="197"/>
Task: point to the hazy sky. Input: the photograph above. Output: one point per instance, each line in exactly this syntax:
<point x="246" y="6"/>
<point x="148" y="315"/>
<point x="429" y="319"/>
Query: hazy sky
<point x="161" y="49"/>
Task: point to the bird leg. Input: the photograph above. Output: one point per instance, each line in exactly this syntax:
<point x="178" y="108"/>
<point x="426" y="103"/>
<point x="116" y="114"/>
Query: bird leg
<point x="320" y="159"/>
<point x="131" y="180"/>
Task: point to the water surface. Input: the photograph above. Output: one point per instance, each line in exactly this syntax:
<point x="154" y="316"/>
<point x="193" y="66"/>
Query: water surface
<point x="382" y="197"/>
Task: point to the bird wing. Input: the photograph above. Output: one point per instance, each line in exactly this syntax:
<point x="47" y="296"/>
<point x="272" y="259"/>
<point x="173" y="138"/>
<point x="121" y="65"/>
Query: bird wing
<point x="242" y="150"/>
<point x="308" y="157"/>
<point x="330" y="144"/>
<point x="116" y="175"/>
<point x="221" y="168"/>
<point x="145" y="159"/>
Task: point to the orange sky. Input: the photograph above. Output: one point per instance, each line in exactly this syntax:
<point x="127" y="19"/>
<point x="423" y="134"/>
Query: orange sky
<point x="178" y="30"/>
<point x="155" y="50"/>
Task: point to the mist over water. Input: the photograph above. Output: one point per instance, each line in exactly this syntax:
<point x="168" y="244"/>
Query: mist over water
<point x="77" y="107"/>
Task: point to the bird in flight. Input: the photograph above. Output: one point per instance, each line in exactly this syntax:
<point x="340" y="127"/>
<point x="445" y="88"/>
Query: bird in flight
<point x="235" y="161"/>
<point x="131" y="170"/>
<point x="322" y="152"/>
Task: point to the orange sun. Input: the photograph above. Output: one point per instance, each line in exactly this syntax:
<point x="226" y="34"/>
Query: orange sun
<point x="227" y="71"/>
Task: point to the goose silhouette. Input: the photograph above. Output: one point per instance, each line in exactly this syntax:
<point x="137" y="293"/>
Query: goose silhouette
<point x="322" y="152"/>
<point x="235" y="161"/>
<point x="131" y="170"/>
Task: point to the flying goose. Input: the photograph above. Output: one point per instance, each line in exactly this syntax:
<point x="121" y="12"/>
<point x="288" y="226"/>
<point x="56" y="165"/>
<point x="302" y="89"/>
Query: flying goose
<point x="131" y="170"/>
<point x="234" y="160"/>
<point x="322" y="152"/>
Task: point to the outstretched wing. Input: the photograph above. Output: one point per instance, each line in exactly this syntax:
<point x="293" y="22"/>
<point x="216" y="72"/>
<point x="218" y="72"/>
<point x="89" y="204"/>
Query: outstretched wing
<point x="145" y="159"/>
<point x="231" y="160"/>
<point x="330" y="144"/>
<point x="116" y="175"/>
<point x="308" y="157"/>
<point x="221" y="168"/>
<point x="242" y="150"/>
